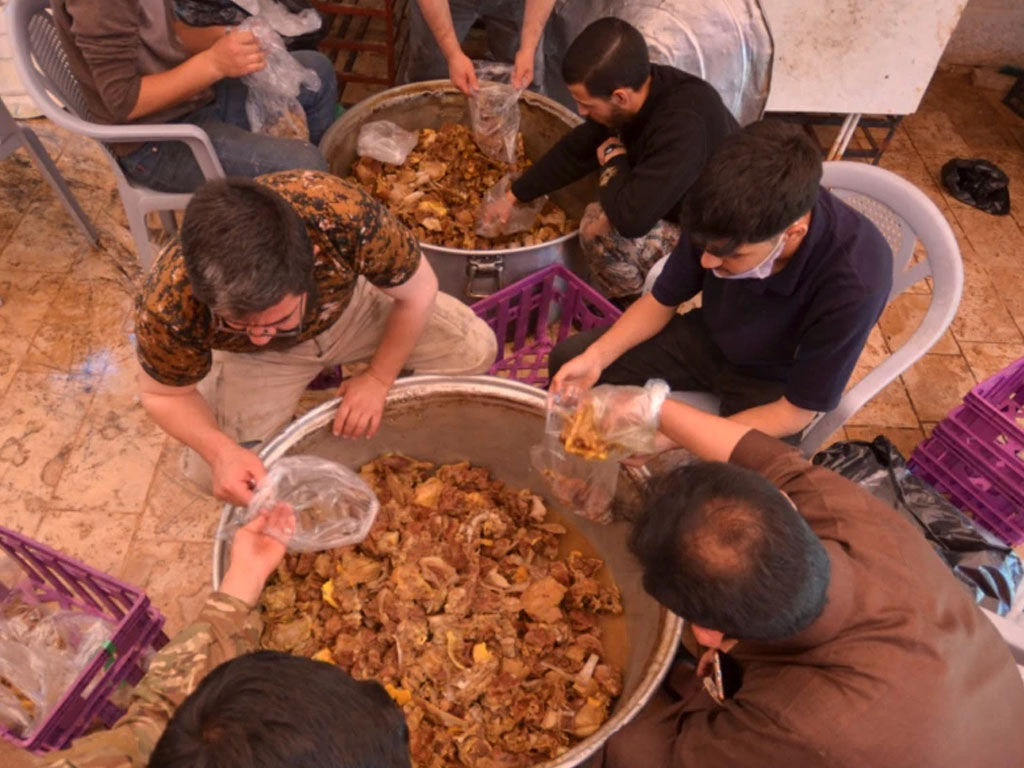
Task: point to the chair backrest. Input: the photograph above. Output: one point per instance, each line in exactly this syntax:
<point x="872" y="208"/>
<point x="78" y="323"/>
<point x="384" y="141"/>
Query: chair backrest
<point x="906" y="217"/>
<point x="52" y="68"/>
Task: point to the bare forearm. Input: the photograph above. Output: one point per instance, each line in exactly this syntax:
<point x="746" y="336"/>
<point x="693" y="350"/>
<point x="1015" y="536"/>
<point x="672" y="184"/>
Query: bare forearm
<point x="439" y="19"/>
<point x="777" y="419"/>
<point x="644" y="318"/>
<point x="188" y="418"/>
<point x="708" y="436"/>
<point x="165" y="89"/>
<point x="535" y="17"/>
<point x="198" y="39"/>
<point x="404" y="327"/>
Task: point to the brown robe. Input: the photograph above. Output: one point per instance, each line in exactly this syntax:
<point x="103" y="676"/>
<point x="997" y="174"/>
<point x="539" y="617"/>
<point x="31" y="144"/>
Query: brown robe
<point x="901" y="670"/>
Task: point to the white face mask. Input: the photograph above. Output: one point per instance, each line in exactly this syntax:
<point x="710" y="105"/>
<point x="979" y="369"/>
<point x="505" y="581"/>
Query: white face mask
<point x="762" y="270"/>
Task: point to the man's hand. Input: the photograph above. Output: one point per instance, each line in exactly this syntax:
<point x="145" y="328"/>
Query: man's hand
<point x="255" y="554"/>
<point x="610" y="148"/>
<point x="462" y="74"/>
<point x="362" y="406"/>
<point x="497" y="212"/>
<point x="236" y="54"/>
<point x="628" y="416"/>
<point x="577" y="376"/>
<point x="522" y="74"/>
<point x="236" y="472"/>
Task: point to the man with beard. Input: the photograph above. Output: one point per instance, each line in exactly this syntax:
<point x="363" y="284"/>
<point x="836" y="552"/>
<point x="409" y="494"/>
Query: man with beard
<point x="649" y="128"/>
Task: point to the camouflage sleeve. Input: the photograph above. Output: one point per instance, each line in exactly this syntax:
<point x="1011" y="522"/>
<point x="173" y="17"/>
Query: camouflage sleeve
<point x="226" y="628"/>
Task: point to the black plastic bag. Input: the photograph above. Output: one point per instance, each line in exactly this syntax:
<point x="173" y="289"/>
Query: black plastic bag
<point x="980" y="560"/>
<point x="979" y="183"/>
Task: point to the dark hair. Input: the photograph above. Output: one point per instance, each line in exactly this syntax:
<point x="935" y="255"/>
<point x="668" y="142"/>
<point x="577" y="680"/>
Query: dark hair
<point x="724" y="548"/>
<point x="273" y="710"/>
<point x="608" y="54"/>
<point x="759" y="181"/>
<point x="245" y="247"/>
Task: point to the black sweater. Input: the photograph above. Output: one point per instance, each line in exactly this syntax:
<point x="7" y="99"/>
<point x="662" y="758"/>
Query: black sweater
<point x="682" y="121"/>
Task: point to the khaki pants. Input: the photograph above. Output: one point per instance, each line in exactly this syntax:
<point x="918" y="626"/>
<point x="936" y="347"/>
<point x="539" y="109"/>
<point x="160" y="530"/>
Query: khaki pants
<point x="618" y="265"/>
<point x="254" y="394"/>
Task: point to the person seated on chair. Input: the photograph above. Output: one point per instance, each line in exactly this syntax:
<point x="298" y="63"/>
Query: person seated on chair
<point x="211" y="698"/>
<point x="841" y="638"/>
<point x="275" y="279"/>
<point x="137" y="64"/>
<point x="649" y="129"/>
<point x="438" y="27"/>
<point x="792" y="281"/>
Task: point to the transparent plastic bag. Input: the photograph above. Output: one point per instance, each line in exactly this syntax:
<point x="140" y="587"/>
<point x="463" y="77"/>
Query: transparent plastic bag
<point x="43" y="650"/>
<point x="331" y="504"/>
<point x="494" y="111"/>
<point x="383" y="140"/>
<point x="282" y="19"/>
<point x="626" y="417"/>
<point x="272" y="104"/>
<point x="521" y="220"/>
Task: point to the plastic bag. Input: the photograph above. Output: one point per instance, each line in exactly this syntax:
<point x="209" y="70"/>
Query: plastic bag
<point x="383" y="140"/>
<point x="494" y="111"/>
<point x="977" y="558"/>
<point x="627" y="417"/>
<point x="331" y="505"/>
<point x="523" y="215"/>
<point x="289" y="22"/>
<point x="43" y="650"/>
<point x="585" y="486"/>
<point x="979" y="183"/>
<point x="272" y="104"/>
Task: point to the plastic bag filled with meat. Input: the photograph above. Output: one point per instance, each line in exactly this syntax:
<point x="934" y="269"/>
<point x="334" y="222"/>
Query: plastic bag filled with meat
<point x="522" y="219"/>
<point x="272" y="105"/>
<point x="494" y="111"/>
<point x="331" y="506"/>
<point x="384" y="141"/>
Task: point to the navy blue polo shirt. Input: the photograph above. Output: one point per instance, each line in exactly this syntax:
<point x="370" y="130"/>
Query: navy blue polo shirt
<point x="805" y="325"/>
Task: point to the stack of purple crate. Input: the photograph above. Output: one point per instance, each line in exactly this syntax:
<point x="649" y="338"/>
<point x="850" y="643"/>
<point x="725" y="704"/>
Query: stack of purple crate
<point x="976" y="454"/>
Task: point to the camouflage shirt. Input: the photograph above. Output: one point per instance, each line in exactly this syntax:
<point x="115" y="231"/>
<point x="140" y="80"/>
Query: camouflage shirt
<point x="226" y="628"/>
<point x="352" y="235"/>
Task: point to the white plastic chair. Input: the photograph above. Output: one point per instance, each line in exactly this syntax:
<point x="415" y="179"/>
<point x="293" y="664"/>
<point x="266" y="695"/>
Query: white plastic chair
<point x="902" y="213"/>
<point x="48" y="80"/>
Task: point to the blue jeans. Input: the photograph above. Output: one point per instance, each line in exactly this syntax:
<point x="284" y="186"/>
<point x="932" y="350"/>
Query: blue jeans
<point x="170" y="166"/>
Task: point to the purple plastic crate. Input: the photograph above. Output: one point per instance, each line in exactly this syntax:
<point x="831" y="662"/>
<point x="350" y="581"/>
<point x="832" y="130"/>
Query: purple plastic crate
<point x="998" y="453"/>
<point x="522" y="313"/>
<point x="138" y="627"/>
<point x="1000" y="400"/>
<point x="939" y="463"/>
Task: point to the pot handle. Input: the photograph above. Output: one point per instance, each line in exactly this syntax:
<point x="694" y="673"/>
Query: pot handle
<point x="493" y="267"/>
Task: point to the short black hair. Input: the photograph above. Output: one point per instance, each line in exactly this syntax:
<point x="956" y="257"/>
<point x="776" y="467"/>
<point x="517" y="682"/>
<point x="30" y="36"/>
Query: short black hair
<point x="273" y="710"/>
<point x="724" y="548"/>
<point x="607" y="55"/>
<point x="759" y="181"/>
<point x="245" y="247"/>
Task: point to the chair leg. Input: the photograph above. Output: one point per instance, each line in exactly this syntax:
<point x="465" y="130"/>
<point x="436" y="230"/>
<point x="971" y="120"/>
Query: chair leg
<point x="140" y="232"/>
<point x="43" y="161"/>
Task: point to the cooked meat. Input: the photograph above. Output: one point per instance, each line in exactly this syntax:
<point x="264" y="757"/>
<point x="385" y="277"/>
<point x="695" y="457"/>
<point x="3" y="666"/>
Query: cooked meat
<point x="438" y="190"/>
<point x="461" y="604"/>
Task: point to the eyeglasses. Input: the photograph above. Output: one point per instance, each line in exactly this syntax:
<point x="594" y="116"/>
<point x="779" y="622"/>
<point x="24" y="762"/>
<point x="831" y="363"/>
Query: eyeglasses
<point x="260" y="330"/>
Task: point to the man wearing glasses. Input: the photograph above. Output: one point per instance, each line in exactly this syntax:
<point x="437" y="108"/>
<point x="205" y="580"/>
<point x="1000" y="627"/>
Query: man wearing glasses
<point x="275" y="279"/>
<point x="792" y="280"/>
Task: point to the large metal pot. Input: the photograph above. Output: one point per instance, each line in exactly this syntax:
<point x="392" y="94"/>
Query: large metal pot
<point x="471" y="275"/>
<point x="493" y="422"/>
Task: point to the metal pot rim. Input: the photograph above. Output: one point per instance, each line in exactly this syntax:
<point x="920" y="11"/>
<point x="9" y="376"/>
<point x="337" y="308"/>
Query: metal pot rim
<point x="414" y="388"/>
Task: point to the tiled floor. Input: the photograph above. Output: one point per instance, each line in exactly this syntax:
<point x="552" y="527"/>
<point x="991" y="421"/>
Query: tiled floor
<point x="83" y="469"/>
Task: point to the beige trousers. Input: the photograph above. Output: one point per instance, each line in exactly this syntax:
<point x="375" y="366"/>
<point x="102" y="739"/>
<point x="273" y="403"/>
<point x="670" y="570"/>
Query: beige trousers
<point x="254" y="394"/>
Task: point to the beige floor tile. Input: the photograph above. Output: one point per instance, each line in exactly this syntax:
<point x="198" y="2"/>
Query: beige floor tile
<point x="1007" y="283"/>
<point x="937" y="384"/>
<point x="903" y="316"/>
<point x="43" y="415"/>
<point x="175" y="576"/>
<point x="24" y="513"/>
<point x="928" y="427"/>
<point x="934" y="131"/>
<point x="99" y="540"/>
<point x="111" y="466"/>
<point x="874" y="352"/>
<point x="26" y="297"/>
<point x="987" y="360"/>
<point x="890" y="408"/>
<point x="904" y="438"/>
<point x="983" y="315"/>
<point x="176" y="509"/>
<point x="45" y="240"/>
